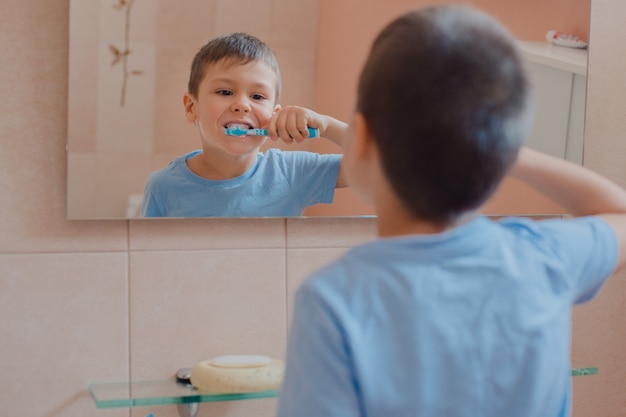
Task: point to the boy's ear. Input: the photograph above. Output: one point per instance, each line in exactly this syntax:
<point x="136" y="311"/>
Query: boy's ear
<point x="364" y="143"/>
<point x="190" y="107"/>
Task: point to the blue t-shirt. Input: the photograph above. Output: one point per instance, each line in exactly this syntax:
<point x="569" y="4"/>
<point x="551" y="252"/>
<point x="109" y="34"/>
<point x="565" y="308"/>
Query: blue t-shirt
<point x="471" y="322"/>
<point x="279" y="184"/>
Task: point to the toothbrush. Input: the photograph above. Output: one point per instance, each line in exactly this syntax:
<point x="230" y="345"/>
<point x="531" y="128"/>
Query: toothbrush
<point x="237" y="131"/>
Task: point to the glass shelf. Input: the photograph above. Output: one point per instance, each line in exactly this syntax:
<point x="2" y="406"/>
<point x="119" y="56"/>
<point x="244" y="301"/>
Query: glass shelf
<point x="166" y="392"/>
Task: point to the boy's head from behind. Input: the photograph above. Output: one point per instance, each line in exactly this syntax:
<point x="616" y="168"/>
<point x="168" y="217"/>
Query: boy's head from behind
<point x="445" y="96"/>
<point x="232" y="49"/>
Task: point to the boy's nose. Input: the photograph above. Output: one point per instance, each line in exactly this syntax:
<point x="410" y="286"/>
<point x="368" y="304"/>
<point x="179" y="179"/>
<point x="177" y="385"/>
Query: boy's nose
<point x="240" y="106"/>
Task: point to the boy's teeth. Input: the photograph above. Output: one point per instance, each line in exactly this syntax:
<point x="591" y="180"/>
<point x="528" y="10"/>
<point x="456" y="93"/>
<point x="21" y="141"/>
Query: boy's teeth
<point x="237" y="126"/>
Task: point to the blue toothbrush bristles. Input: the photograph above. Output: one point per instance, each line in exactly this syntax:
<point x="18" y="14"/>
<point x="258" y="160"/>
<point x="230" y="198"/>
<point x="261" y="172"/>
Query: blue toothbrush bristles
<point x="313" y="132"/>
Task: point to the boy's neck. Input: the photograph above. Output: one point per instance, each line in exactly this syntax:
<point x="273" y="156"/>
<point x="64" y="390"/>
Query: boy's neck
<point x="205" y="165"/>
<point x="396" y="223"/>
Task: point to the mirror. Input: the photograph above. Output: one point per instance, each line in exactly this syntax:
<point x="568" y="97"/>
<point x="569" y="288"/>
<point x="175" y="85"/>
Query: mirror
<point x="129" y="66"/>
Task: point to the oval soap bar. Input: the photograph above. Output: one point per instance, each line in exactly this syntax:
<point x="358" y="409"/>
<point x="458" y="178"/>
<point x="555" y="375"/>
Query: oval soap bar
<point x="241" y="361"/>
<point x="238" y="374"/>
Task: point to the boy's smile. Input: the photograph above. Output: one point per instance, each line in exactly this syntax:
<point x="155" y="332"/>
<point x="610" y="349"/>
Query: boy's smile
<point x="232" y="95"/>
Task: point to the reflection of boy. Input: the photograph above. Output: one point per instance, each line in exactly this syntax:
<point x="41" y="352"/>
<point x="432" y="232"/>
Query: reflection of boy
<point x="450" y="313"/>
<point x="235" y="82"/>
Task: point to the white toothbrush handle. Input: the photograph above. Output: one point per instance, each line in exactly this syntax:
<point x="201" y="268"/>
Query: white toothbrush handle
<point x="313" y="132"/>
<point x="257" y="132"/>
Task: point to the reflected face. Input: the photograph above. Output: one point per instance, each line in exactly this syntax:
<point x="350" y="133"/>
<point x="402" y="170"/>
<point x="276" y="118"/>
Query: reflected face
<point x="233" y="94"/>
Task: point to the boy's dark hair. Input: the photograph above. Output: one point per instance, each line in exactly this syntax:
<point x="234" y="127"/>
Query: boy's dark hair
<point x="445" y="93"/>
<point x="234" y="49"/>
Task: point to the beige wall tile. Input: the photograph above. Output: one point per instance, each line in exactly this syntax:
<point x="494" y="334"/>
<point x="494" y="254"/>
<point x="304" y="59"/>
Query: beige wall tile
<point x="598" y="340"/>
<point x="191" y="306"/>
<point x="33" y="189"/>
<point x="64" y="326"/>
<point x="194" y="305"/>
<point x="301" y="263"/>
<point x="316" y="232"/>
<point x="190" y="234"/>
<point x="605" y="123"/>
<point x="598" y="330"/>
<point x="34" y="41"/>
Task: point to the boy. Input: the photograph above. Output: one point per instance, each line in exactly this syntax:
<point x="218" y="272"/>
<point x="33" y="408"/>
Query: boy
<point x="235" y="83"/>
<point x="450" y="313"/>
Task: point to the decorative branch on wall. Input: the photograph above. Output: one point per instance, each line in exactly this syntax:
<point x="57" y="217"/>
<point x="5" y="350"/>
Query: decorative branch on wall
<point x="120" y="55"/>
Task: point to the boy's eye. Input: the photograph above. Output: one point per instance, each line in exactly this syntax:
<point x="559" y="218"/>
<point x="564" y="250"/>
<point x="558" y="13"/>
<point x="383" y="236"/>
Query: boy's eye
<point x="258" y="97"/>
<point x="224" y="92"/>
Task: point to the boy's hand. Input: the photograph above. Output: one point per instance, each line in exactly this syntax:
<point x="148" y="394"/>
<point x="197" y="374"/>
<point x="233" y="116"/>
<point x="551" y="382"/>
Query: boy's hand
<point x="290" y="124"/>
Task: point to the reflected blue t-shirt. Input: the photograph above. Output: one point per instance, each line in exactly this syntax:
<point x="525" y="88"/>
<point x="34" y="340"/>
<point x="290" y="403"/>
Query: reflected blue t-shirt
<point x="471" y="322"/>
<point x="280" y="184"/>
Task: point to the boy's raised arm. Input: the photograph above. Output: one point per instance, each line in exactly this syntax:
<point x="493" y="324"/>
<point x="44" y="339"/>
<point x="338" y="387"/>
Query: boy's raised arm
<point x="290" y="121"/>
<point x="580" y="191"/>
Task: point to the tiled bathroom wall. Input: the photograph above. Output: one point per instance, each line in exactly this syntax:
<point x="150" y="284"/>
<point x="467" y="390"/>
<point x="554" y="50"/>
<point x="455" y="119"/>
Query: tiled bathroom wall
<point x="85" y="301"/>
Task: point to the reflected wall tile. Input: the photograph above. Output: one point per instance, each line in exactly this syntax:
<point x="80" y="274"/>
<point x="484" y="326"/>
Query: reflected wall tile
<point x="84" y="19"/>
<point x="173" y="133"/>
<point x="215" y="233"/>
<point x="190" y="23"/>
<point x="191" y="306"/>
<point x="297" y="66"/>
<point x="82" y="132"/>
<point x="64" y="326"/>
<point x="81" y="185"/>
<point x="83" y="71"/>
<point x="125" y="119"/>
<point x="142" y="20"/>
<point x="531" y="21"/>
<point x="294" y="23"/>
<point x="162" y="160"/>
<point x="251" y="16"/>
<point x="329" y="232"/>
<point x="119" y="176"/>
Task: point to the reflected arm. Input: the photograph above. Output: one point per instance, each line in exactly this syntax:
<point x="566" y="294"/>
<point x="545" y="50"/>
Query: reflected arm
<point x="289" y="123"/>
<point x="335" y="130"/>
